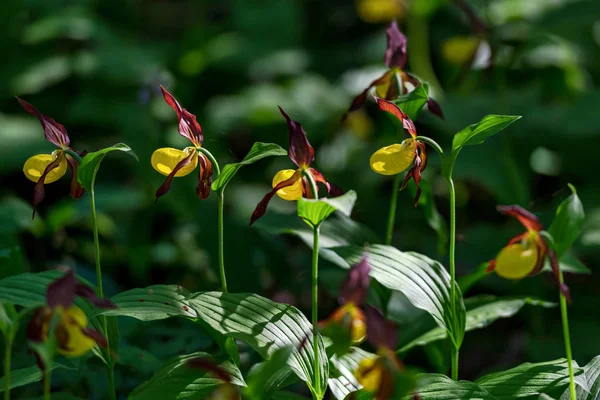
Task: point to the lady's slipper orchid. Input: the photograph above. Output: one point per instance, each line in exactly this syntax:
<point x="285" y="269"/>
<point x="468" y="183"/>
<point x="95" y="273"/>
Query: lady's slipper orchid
<point x="396" y="158"/>
<point x="387" y="85"/>
<point x="74" y="338"/>
<point x="290" y="184"/>
<point x="525" y="253"/>
<point x="379" y="374"/>
<point x="176" y="163"/>
<point x="47" y="168"/>
<point x="348" y="321"/>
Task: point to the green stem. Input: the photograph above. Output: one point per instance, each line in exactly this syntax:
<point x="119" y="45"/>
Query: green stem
<point x="393" y="205"/>
<point x="432" y="143"/>
<point x="315" y="308"/>
<point x="221" y="199"/>
<point x="7" y="355"/>
<point x="100" y="292"/>
<point x="73" y="154"/>
<point x="453" y="271"/>
<point x="47" y="378"/>
<point x="565" y="325"/>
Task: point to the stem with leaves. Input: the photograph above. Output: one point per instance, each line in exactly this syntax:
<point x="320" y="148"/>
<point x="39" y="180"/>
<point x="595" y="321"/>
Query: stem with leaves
<point x="7" y="359"/>
<point x="393" y="205"/>
<point x="567" y="336"/>
<point x="47" y="382"/>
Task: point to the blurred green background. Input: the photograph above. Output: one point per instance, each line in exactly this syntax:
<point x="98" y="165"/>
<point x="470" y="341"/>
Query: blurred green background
<point x="95" y="66"/>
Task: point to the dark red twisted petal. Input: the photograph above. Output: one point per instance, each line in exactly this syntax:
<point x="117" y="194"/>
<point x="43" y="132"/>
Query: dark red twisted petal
<point x="395" y="54"/>
<point x="415" y="173"/>
<point x="381" y="332"/>
<point x="62" y="291"/>
<point x="76" y="189"/>
<point x="392" y="92"/>
<point x="300" y="151"/>
<point x="188" y="126"/>
<point x="359" y="100"/>
<point x="207" y="364"/>
<point x="166" y="186"/>
<point x="388" y="106"/>
<point x="526" y="218"/>
<point x="491" y="266"/>
<point x="332" y="189"/>
<point x="95" y="336"/>
<point x="55" y="133"/>
<point x="205" y="177"/>
<point x="38" y="189"/>
<point x="517" y="238"/>
<point x="355" y="285"/>
<point x="435" y="108"/>
<point x="88" y="293"/>
<point x="261" y="208"/>
<point x="542" y="249"/>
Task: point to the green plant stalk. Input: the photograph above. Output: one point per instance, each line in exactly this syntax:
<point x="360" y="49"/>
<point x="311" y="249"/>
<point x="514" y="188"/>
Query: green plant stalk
<point x="100" y="292"/>
<point x="221" y="202"/>
<point x="47" y="382"/>
<point x="7" y="356"/>
<point x="393" y="205"/>
<point x="567" y="336"/>
<point x="451" y="252"/>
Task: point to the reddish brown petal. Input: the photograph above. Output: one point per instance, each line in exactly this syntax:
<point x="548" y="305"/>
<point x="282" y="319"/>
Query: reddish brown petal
<point x="209" y="365"/>
<point x="38" y="189"/>
<point x="381" y="332"/>
<point x="526" y="218"/>
<point x="188" y="126"/>
<point x="415" y="171"/>
<point x="491" y="266"/>
<point x="332" y="189"/>
<point x="307" y="191"/>
<point x="517" y="238"/>
<point x="435" y="108"/>
<point x="355" y="285"/>
<point x="362" y="97"/>
<point x="261" y="208"/>
<point x="62" y="291"/>
<point x="392" y="92"/>
<point x="35" y="328"/>
<point x="55" y="133"/>
<point x="393" y="109"/>
<point x="299" y="151"/>
<point x="166" y="186"/>
<point x="87" y="292"/>
<point x="205" y="177"/>
<point x="76" y="189"/>
<point x="395" y="55"/>
<point x="96" y="336"/>
<point x="408" y="78"/>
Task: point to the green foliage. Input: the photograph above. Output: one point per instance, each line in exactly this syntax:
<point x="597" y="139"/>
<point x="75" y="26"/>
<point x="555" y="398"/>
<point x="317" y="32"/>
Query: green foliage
<point x="412" y="103"/>
<point x="87" y="170"/>
<point x="568" y="223"/>
<point x="315" y="211"/>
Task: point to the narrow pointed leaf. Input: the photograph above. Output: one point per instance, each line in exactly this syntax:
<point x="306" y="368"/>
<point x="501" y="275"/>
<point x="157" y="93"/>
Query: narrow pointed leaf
<point x="313" y="211"/>
<point x="86" y="173"/>
<point x="568" y="223"/>
<point x="424" y="282"/>
<point x="177" y="380"/>
<point x="440" y="387"/>
<point x="479" y="132"/>
<point x="25" y="376"/>
<point x="257" y="152"/>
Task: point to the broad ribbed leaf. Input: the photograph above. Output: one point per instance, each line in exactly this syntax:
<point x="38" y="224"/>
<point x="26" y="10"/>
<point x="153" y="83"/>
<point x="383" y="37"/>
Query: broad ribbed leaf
<point x="266" y="326"/>
<point x="342" y="381"/>
<point x="482" y="311"/>
<point x="177" y="380"/>
<point x="413" y="102"/>
<point x="25" y="376"/>
<point x="424" y="282"/>
<point x="313" y="211"/>
<point x="440" y="387"/>
<point x="588" y="383"/>
<point x="568" y="223"/>
<point x="527" y="379"/>
<point x="264" y="377"/>
<point x="86" y="172"/>
<point x="257" y="152"/>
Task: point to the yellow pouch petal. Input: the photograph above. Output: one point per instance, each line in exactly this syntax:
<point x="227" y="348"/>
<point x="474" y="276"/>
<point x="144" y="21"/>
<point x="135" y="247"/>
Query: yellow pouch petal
<point x="368" y="374"/>
<point x="459" y="50"/>
<point x="34" y="167"/>
<point x="392" y="160"/>
<point x="73" y="320"/>
<point x="379" y="10"/>
<point x="166" y="159"/>
<point x="290" y="193"/>
<point x="516" y="261"/>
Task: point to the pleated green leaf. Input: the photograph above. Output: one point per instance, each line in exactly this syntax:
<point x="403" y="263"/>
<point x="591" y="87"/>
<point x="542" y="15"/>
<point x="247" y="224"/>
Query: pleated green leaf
<point x="440" y="387"/>
<point x="568" y="223"/>
<point x="313" y="211"/>
<point x="342" y="381"/>
<point x="588" y="383"/>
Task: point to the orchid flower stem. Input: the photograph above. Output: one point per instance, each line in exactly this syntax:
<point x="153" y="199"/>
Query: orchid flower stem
<point x="221" y="202"/>
<point x="73" y="154"/>
<point x="392" y="214"/>
<point x="47" y="383"/>
<point x="100" y="292"/>
<point x="7" y="355"/>
<point x="565" y="324"/>
<point x="451" y="252"/>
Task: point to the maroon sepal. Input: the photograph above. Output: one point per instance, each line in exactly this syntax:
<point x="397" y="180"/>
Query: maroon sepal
<point x="355" y="285"/>
<point x="89" y="294"/>
<point x="95" y="336"/>
<point x="416" y="170"/>
<point x="388" y="106"/>
<point x="188" y="126"/>
<point x="76" y="189"/>
<point x="360" y="100"/>
<point x="62" y="292"/>
<point x="435" y="108"/>
<point x="261" y="208"/>
<point x="205" y="177"/>
<point x="491" y="266"/>
<point x="332" y="189"/>
<point x="300" y="151"/>
<point x="55" y="133"/>
<point x="41" y="316"/>
<point x="207" y="364"/>
<point x="166" y="186"/>
<point x="527" y="219"/>
<point x="395" y="54"/>
<point x="38" y="189"/>
<point x="382" y="333"/>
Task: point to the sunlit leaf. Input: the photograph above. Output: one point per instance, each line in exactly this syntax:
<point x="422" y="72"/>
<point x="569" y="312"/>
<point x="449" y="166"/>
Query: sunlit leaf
<point x="568" y="223"/>
<point x="479" y="132"/>
<point x="440" y="387"/>
<point x="342" y="381"/>
<point x="413" y="102"/>
<point x="588" y="383"/>
<point x="313" y="211"/>
<point x="87" y="170"/>
<point x="257" y="152"/>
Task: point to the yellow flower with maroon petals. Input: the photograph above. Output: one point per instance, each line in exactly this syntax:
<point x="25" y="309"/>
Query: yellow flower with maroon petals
<point x="174" y="163"/>
<point x="43" y="169"/>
